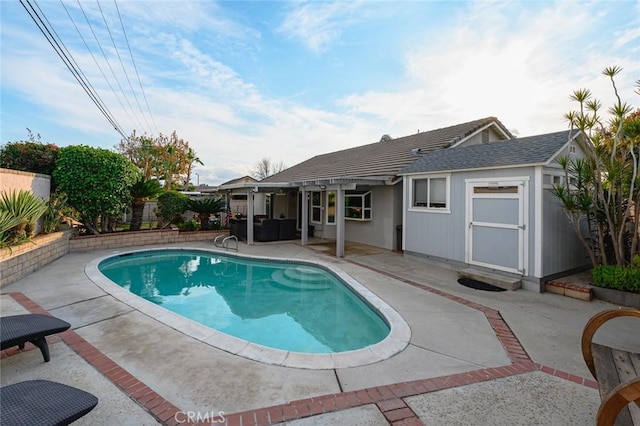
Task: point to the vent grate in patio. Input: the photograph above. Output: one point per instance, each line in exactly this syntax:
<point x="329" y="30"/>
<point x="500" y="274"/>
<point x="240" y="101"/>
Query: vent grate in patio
<point x="478" y="285"/>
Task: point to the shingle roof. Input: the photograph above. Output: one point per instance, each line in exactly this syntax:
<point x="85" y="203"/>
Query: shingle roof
<point x="381" y="159"/>
<point x="523" y="151"/>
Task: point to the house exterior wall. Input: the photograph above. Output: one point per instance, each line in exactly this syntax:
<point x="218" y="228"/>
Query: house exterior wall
<point x="380" y="230"/>
<point x="386" y="204"/>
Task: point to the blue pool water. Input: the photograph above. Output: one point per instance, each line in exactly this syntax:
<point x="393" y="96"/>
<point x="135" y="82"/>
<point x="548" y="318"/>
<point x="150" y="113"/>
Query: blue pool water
<point x="284" y="305"/>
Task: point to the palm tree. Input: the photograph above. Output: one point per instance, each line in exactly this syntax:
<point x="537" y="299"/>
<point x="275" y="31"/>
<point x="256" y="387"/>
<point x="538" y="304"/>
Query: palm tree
<point x="141" y="191"/>
<point x="205" y="207"/>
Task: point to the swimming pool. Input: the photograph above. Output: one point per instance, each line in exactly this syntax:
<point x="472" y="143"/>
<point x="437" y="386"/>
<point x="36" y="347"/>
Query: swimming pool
<point x="290" y="313"/>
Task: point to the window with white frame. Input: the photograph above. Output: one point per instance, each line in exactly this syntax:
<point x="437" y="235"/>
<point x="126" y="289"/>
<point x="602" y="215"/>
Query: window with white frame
<point x="357" y="205"/>
<point x="430" y="193"/>
<point x="316" y="207"/>
<point x="331" y="207"/>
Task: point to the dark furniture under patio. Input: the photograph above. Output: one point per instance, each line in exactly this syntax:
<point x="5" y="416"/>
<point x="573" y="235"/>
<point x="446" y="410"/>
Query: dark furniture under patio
<point x="267" y="230"/>
<point x="16" y="330"/>
<point x="42" y="402"/>
<point x="238" y="227"/>
<point x="287" y="229"/>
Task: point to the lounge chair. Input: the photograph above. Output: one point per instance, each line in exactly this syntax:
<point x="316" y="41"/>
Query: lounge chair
<point x="16" y="330"/>
<point x="42" y="402"/>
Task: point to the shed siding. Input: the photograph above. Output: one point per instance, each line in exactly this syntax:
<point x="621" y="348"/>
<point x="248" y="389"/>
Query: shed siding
<point x="443" y="234"/>
<point x="562" y="249"/>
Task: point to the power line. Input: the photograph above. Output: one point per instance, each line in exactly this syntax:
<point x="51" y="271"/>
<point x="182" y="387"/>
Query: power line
<point x="95" y="36"/>
<point x="96" y="62"/>
<point x="69" y="63"/>
<point x="121" y="63"/>
<point x="135" y="67"/>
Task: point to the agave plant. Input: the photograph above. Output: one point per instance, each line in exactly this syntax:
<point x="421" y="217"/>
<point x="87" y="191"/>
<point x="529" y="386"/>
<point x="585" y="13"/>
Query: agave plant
<point x="205" y="207"/>
<point x="7" y="221"/>
<point x="24" y="207"/>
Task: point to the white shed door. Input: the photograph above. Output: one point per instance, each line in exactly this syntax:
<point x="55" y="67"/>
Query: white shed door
<point x="496" y="218"/>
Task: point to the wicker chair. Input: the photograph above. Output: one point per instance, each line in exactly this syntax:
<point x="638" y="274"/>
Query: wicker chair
<point x="267" y="230"/>
<point x="16" y="330"/>
<point x="42" y="402"/>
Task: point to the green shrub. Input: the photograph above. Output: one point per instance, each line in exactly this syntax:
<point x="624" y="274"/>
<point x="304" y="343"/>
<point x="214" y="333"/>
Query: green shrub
<point x="34" y="157"/>
<point x="189" y="225"/>
<point x="171" y="205"/>
<point x="618" y="278"/>
<point x="96" y="182"/>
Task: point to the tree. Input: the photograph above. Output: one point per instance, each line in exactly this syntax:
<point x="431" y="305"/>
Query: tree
<point x="165" y="158"/>
<point x="205" y="207"/>
<point x="601" y="190"/>
<point x="96" y="182"/>
<point x="265" y="168"/>
<point x="141" y="191"/>
<point x="29" y="156"/>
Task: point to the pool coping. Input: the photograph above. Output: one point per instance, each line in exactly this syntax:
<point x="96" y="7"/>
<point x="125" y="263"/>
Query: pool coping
<point x="396" y="341"/>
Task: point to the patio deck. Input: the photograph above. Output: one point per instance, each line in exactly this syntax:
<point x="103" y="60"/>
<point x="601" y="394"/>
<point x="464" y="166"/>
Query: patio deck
<point x="474" y="357"/>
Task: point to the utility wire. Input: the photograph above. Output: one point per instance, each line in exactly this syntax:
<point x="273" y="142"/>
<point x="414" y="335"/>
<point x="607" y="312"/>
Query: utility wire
<point x="109" y="64"/>
<point x="122" y="64"/>
<point x="136" y="68"/>
<point x="68" y="63"/>
<point x="96" y="62"/>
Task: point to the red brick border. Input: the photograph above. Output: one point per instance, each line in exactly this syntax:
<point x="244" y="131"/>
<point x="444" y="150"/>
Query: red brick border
<point x="388" y="399"/>
<point x="157" y="406"/>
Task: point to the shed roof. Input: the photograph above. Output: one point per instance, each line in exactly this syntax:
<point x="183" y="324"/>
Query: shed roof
<point x="384" y="159"/>
<point x="530" y="150"/>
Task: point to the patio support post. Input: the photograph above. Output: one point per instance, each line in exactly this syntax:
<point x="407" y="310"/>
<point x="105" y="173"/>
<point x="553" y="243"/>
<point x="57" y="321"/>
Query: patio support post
<point x="304" y="232"/>
<point x="340" y="222"/>
<point x="250" y="217"/>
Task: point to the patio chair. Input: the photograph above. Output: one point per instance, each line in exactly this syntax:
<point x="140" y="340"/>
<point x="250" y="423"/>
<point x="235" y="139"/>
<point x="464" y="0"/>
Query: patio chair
<point x="42" y="402"/>
<point x="16" y="330"/>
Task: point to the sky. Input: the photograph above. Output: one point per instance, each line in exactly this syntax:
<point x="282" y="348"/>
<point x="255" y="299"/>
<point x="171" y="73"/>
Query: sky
<point x="289" y="80"/>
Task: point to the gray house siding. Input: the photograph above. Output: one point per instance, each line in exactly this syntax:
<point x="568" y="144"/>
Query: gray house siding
<point x="562" y="250"/>
<point x="443" y="235"/>
<point x="386" y="203"/>
<point x="379" y="231"/>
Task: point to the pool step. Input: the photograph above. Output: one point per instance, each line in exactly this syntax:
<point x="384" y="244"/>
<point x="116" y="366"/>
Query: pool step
<point x="286" y="280"/>
<point x="304" y="273"/>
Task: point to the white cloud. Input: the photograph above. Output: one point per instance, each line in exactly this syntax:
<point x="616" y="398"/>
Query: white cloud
<point x="497" y="59"/>
<point x="520" y="68"/>
<point x="318" y="24"/>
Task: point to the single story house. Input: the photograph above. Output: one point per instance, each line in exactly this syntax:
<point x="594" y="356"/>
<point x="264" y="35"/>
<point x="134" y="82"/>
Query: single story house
<point x="489" y="206"/>
<point x="364" y="179"/>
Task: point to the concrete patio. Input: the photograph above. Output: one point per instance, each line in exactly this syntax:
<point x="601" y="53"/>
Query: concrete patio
<point x="474" y="357"/>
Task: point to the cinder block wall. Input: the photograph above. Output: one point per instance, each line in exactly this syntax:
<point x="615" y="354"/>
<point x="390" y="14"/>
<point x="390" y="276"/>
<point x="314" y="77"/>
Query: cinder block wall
<point x="140" y="238"/>
<point x="19" y="261"/>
